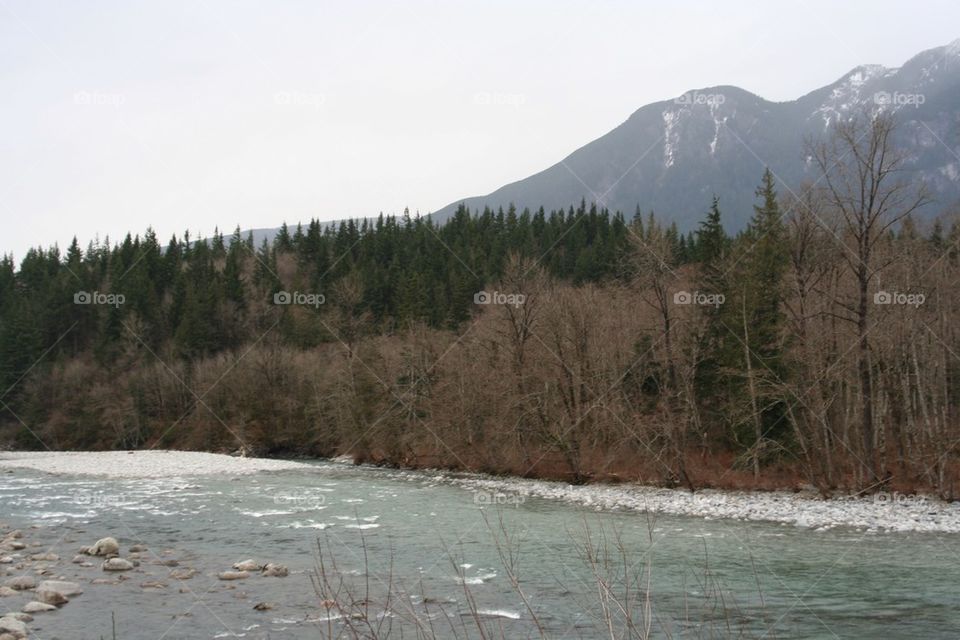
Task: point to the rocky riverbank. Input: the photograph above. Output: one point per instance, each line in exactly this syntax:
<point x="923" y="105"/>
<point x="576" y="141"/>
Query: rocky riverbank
<point x="151" y="463"/>
<point x="36" y="581"/>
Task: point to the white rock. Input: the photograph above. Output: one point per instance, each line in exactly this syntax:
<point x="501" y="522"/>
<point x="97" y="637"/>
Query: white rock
<point x="104" y="547"/>
<point x="60" y="586"/>
<point x="117" y="564"/>
<point x="272" y="570"/>
<point x="14" y="627"/>
<point x="20" y="615"/>
<point x="21" y="583"/>
<point x="52" y="597"/>
<point x="37" y="607"/>
<point x="248" y="565"/>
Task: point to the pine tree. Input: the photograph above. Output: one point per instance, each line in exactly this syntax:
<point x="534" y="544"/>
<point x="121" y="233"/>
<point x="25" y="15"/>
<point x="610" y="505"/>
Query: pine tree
<point x="754" y="314"/>
<point x="709" y="381"/>
<point x="283" y="241"/>
<point x="712" y="244"/>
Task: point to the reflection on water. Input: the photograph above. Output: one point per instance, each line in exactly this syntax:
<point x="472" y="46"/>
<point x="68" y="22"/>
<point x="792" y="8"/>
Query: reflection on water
<point x="432" y="541"/>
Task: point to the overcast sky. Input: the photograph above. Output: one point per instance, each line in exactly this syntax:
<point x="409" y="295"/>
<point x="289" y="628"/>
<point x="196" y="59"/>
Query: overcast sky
<point x="119" y="115"/>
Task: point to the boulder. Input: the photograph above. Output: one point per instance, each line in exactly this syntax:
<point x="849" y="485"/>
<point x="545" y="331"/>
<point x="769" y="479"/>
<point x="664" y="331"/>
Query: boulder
<point x="263" y="606"/>
<point x="138" y="548"/>
<point x="104" y="547"/>
<point x="79" y="559"/>
<point x="272" y="570"/>
<point x="248" y="565"/>
<point x="52" y="597"/>
<point x="233" y="575"/>
<point x="6" y="592"/>
<point x="38" y="607"/>
<point x="6" y="560"/>
<point x="117" y="564"/>
<point x="13" y="627"/>
<point x="21" y="583"/>
<point x="60" y="586"/>
<point x="45" y="557"/>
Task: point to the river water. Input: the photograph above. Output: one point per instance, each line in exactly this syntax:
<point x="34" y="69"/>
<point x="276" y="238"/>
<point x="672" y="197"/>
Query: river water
<point x="448" y="555"/>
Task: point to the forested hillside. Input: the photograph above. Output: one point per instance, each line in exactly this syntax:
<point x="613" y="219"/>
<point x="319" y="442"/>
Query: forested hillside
<point x="817" y="346"/>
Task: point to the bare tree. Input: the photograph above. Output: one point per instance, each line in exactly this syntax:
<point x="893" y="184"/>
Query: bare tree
<point x="526" y="282"/>
<point x="863" y="177"/>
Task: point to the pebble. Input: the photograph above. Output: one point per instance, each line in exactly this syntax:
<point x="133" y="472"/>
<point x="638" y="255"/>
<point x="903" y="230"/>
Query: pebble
<point x="233" y="575"/>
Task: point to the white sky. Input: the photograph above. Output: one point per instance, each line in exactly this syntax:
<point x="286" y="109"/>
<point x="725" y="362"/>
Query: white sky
<point x="119" y="115"/>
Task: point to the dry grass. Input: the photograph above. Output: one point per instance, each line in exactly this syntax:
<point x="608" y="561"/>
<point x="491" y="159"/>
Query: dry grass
<point x="620" y="603"/>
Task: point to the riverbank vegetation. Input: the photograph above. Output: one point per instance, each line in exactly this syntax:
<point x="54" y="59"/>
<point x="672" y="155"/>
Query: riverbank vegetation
<point x="372" y="602"/>
<point x="817" y="346"/>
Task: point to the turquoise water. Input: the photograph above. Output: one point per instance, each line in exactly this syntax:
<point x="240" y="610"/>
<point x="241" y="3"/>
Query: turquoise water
<point x="438" y="543"/>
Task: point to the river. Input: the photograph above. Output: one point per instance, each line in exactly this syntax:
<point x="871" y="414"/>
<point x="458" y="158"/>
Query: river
<point x="449" y="554"/>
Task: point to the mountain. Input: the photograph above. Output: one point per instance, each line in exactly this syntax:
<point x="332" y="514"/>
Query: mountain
<point x="673" y="156"/>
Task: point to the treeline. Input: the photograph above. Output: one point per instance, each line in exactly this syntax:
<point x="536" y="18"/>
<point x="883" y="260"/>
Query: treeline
<point x="206" y="296"/>
<point x="817" y="345"/>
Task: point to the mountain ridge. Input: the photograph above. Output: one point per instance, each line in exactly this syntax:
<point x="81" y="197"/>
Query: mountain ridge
<point x="747" y="133"/>
<point x="672" y="156"/>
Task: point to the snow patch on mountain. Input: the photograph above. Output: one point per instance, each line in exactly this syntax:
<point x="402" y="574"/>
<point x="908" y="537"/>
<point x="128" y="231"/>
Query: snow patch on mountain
<point x="850" y="92"/>
<point x="671" y="137"/>
<point x="951" y="172"/>
<point x="717" y="123"/>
